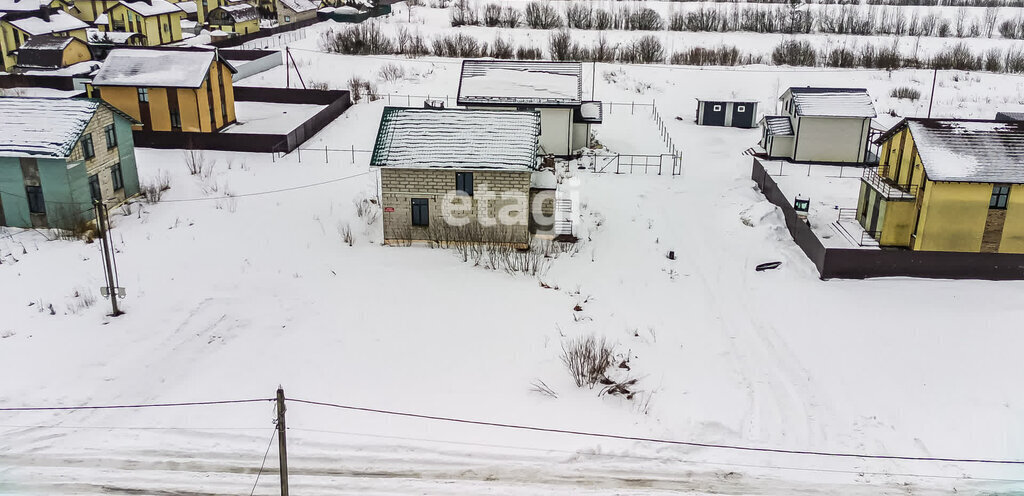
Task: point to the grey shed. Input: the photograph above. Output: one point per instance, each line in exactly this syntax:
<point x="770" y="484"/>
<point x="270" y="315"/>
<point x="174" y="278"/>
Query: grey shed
<point x="729" y="113"/>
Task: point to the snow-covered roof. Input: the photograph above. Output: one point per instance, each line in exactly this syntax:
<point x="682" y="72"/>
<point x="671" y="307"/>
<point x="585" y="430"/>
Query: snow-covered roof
<point x="115" y="37"/>
<point x="189" y="7"/>
<point x="973" y="151"/>
<point x="43" y="127"/>
<point x="778" y="125"/>
<point x="58" y="22"/>
<point x="299" y="5"/>
<point x="528" y="82"/>
<point x="21" y="5"/>
<point x="155" y="68"/>
<point x="46" y="42"/>
<point x="239" y="12"/>
<point x="832" y="102"/>
<point x="102" y="20"/>
<point x="590" y="112"/>
<point x="462" y="139"/>
<point x="1010" y="116"/>
<point x="147" y="8"/>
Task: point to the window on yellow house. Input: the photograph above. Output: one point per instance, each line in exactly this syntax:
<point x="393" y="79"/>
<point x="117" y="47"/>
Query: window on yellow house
<point x="1000" y="195"/>
<point x="143" y="94"/>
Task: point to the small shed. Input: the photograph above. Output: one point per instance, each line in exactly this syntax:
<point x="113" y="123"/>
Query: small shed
<point x="728" y="113"/>
<point x="52" y="52"/>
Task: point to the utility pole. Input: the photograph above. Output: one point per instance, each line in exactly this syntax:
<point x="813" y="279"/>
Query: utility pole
<point x="282" y="444"/>
<point x="103" y="224"/>
<point x="931" y="99"/>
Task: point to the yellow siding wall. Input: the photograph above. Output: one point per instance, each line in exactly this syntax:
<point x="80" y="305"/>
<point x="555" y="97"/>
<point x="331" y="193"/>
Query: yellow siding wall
<point x="899" y="222"/>
<point x="158" y="30"/>
<point x="1013" y="229"/>
<point x="89" y="10"/>
<point x="239" y="28"/>
<point x="75" y="53"/>
<point x="953" y="216"/>
<point x="125" y="99"/>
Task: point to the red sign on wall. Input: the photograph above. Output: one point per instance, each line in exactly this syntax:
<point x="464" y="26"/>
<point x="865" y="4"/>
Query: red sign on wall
<point x="389" y="209"/>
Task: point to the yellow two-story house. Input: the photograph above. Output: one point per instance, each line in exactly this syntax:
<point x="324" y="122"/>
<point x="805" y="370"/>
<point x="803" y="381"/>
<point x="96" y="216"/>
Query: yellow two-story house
<point x="158" y="21"/>
<point x="182" y="90"/>
<point x="947" y="185"/>
<point x="238" y="18"/>
<point x="17" y="28"/>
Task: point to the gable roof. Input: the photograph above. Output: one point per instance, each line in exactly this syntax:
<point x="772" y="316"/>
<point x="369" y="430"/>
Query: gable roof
<point x="299" y="5"/>
<point x="961" y="150"/>
<point x="21" y="5"/>
<point x="156" y="68"/>
<point x="45" y="52"/>
<point x="778" y="125"/>
<point x="239" y="12"/>
<point x="832" y="102"/>
<point x="457" y="139"/>
<point x="147" y="8"/>
<point x="520" y="82"/>
<point x="45" y="127"/>
<point x="58" y="22"/>
<point x="188" y="7"/>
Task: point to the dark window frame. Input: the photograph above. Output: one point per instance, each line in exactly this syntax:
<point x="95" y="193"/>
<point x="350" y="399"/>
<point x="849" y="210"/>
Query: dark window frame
<point x="1000" y="196"/>
<point x="420" y="211"/>
<point x="88" y="147"/>
<point x="36" y="201"/>
<point x="117" y="176"/>
<point x="175" y="117"/>
<point x="95" y="190"/>
<point x="462" y="186"/>
<point x="110" y="133"/>
<point x="143" y="94"/>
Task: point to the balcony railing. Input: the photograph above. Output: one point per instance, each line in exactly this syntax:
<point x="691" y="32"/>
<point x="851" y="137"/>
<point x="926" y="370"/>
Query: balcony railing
<point x="887" y="188"/>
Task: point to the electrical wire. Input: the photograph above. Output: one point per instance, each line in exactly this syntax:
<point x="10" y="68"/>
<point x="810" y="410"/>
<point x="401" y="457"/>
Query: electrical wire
<point x="657" y="440"/>
<point x="660" y="459"/>
<point x="117" y="407"/>
<point x="129" y="428"/>
<point x="263" y="463"/>
<point x="269" y="192"/>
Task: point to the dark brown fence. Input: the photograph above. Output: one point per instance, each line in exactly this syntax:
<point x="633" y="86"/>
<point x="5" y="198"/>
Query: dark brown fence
<point x="64" y="83"/>
<point x="337" y="102"/>
<point x="852" y="263"/>
<point x="801" y="232"/>
<point x="264" y="33"/>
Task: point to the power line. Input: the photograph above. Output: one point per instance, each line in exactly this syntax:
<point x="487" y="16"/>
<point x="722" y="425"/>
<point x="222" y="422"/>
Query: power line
<point x="269" y="192"/>
<point x="661" y="459"/>
<point x="659" y="441"/>
<point x="117" y="407"/>
<point x="264" y="462"/>
<point x="129" y="427"/>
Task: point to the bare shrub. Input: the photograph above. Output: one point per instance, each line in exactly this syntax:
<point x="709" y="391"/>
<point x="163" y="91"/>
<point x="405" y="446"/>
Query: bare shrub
<point x="365" y="38"/>
<point x="345" y="231"/>
<point x="391" y="72"/>
<point x="359" y="87"/>
<point x="795" y="53"/>
<point x="958" y="56"/>
<point x="502" y="49"/>
<point x="153" y="190"/>
<point x="994" y="60"/>
<point x="542" y="15"/>
<point x="367" y="209"/>
<point x="316" y="85"/>
<point x="602" y="51"/>
<point x="492" y="15"/>
<point x="458" y="45"/>
<point x="1014" y="61"/>
<point x="905" y="93"/>
<point x="644" y="19"/>
<point x="579" y="16"/>
<point x="511" y="17"/>
<point x="646" y="49"/>
<point x="529" y="53"/>
<point x="721" y="55"/>
<point x="538" y="386"/>
<point x="587" y="359"/>
<point x="463" y="13"/>
<point x="195" y="161"/>
<point x="604" y="20"/>
<point x="839" y="57"/>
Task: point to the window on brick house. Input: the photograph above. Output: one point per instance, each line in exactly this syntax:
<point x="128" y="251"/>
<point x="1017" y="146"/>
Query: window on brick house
<point x="111" y="134"/>
<point x="94" y="188"/>
<point x="87" y="149"/>
<point x="420" y="212"/>
<point x="117" y="177"/>
<point x="464" y="183"/>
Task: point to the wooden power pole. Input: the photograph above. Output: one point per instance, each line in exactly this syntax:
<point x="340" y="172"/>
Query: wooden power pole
<point x="282" y="444"/>
<point x="103" y="224"/>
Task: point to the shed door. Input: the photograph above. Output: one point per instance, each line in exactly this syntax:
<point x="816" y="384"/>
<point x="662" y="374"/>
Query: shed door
<point x="742" y="114"/>
<point x="714" y="113"/>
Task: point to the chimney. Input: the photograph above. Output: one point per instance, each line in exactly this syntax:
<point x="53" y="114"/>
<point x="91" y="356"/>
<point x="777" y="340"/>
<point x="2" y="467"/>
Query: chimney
<point x="44" y="12"/>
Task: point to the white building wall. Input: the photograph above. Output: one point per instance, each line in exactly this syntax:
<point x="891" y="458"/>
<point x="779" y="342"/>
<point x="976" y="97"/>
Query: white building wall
<point x="831" y="139"/>
<point x="556" y="130"/>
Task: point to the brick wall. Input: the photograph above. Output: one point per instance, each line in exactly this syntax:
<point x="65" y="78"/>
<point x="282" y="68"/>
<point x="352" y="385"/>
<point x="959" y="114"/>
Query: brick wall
<point x="105" y="158"/>
<point x="400" y="186"/>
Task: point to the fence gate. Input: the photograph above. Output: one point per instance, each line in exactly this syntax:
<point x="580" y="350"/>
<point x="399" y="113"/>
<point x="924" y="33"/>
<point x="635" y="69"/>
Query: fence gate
<point x="618" y="163"/>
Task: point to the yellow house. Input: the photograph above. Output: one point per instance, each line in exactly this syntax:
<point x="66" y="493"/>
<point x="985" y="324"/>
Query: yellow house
<point x="17" y="28"/>
<point x="158" y="21"/>
<point x="203" y="8"/>
<point x="169" y="90"/>
<point x="238" y="18"/>
<point x="947" y="185"/>
<point x="50" y="52"/>
<point x="90" y="10"/>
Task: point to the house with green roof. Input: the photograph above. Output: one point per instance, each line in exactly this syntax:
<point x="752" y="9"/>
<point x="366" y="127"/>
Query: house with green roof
<point x="57" y="156"/>
<point x="450" y="175"/>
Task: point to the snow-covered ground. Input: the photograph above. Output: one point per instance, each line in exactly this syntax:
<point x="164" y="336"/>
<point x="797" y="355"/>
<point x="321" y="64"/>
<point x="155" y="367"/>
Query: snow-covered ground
<point x="235" y="286"/>
<point x="270" y="118"/>
<point x="829" y="188"/>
